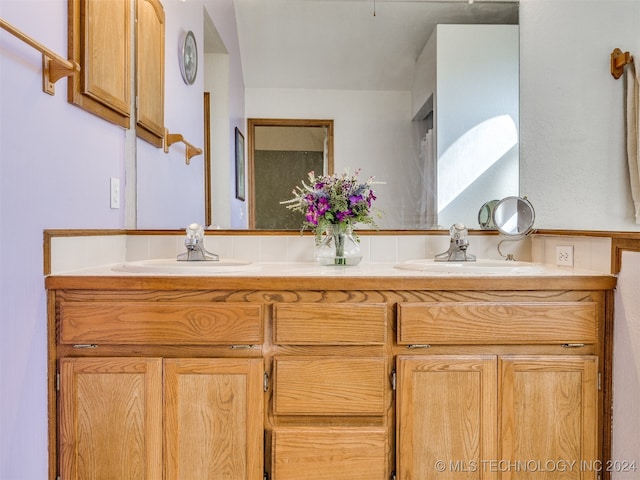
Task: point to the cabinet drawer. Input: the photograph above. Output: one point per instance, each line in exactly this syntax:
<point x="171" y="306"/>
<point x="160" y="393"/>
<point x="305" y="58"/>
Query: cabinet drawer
<point x="497" y="323"/>
<point x="329" y="386"/>
<point x="160" y="323"/>
<point x="329" y="453"/>
<point x="329" y="324"/>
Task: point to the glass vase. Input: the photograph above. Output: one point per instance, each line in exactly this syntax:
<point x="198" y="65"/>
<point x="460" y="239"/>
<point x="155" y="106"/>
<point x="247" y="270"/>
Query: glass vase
<point x="338" y="246"/>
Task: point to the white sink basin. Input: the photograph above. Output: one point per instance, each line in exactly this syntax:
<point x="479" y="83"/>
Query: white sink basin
<point x="479" y="267"/>
<point x="173" y="267"/>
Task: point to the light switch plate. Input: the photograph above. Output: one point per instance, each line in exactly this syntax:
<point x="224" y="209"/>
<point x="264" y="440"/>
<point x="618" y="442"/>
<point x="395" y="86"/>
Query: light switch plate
<point x="115" y="192"/>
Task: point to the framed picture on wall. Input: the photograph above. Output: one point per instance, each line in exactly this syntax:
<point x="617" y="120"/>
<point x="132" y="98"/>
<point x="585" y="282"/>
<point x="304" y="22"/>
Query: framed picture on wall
<point x="239" y="165"/>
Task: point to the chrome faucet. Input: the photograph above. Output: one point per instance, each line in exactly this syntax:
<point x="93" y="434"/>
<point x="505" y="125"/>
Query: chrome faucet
<point x="457" y="246"/>
<point x="195" y="246"/>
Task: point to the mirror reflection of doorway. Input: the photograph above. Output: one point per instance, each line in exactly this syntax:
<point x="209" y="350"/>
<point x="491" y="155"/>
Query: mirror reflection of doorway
<point x="281" y="153"/>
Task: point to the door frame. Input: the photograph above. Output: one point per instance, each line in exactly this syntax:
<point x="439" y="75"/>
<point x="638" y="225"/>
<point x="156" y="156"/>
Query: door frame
<point x="252" y="123"/>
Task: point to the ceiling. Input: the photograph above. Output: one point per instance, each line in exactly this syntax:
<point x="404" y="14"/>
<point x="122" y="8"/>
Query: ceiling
<point x="341" y="44"/>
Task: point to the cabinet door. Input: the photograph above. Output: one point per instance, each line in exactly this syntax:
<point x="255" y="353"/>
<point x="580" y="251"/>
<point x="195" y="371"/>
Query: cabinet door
<point x="150" y="70"/>
<point x="214" y="419"/>
<point x="100" y="41"/>
<point x="446" y="416"/>
<point x="549" y="416"/>
<point x="110" y="418"/>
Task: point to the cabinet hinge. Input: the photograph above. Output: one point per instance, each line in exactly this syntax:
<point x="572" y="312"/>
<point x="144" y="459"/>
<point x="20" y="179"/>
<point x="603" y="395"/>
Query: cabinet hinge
<point x="58" y="384"/>
<point x="265" y="476"/>
<point x="393" y="476"/>
<point x="265" y="382"/>
<point x="599" y="381"/>
<point x="393" y="379"/>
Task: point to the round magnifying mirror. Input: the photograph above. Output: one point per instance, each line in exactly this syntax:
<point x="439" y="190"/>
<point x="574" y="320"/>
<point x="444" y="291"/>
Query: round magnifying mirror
<point x="485" y="215"/>
<point x="514" y="216"/>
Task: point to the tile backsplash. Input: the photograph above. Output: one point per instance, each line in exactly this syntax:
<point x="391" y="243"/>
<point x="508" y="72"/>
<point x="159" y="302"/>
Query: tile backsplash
<point x="590" y="253"/>
<point x="76" y="252"/>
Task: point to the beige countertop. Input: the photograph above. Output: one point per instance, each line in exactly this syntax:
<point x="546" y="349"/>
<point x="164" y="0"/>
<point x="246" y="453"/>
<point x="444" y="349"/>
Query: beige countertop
<point x="485" y="274"/>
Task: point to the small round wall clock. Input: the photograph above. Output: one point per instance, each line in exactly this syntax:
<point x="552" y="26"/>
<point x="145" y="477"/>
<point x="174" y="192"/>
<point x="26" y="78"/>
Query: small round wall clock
<point x="189" y="58"/>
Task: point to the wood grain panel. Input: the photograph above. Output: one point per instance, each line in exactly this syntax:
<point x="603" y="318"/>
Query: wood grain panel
<point x="330" y="323"/>
<point x="329" y="386"/>
<point x="470" y="323"/>
<point x="107" y="46"/>
<point x="150" y="70"/>
<point x="160" y="323"/>
<point x="446" y="412"/>
<point x="324" y="453"/>
<point x="550" y="398"/>
<point x="214" y="419"/>
<point x="111" y="418"/>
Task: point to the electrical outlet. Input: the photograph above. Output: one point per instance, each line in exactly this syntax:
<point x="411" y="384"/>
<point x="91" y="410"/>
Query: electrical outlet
<point x="564" y="255"/>
<point x="115" y="192"/>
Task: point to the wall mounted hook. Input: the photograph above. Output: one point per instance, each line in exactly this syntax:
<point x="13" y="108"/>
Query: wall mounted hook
<point x="618" y="60"/>
<point x="190" y="150"/>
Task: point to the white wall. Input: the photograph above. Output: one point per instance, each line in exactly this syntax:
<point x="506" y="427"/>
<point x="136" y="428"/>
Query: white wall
<point x="626" y="373"/>
<point x="573" y="165"/>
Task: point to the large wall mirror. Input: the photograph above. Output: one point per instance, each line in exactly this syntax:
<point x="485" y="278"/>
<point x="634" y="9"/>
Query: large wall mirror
<point x="423" y="95"/>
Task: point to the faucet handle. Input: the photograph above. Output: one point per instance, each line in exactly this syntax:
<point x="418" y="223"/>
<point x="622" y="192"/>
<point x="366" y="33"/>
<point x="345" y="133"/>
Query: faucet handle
<point x="195" y="231"/>
<point x="458" y="231"/>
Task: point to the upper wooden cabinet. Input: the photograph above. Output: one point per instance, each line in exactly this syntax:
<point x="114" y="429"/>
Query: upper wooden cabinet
<point x="150" y="71"/>
<point x="100" y="40"/>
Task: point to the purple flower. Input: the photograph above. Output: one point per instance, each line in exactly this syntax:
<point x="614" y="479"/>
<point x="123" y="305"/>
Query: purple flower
<point x="354" y="199"/>
<point x="323" y="205"/>
<point x="312" y="217"/>
<point x="343" y="215"/>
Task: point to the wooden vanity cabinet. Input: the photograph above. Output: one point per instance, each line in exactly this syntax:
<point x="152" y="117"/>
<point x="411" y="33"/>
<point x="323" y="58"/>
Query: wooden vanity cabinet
<point x="182" y="415"/>
<point x="526" y="407"/>
<point x="331" y="391"/>
<point x="357" y="379"/>
<point x="496" y="416"/>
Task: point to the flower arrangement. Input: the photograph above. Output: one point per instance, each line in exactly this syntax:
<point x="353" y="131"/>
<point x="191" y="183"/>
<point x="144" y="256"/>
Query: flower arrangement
<point x="333" y="200"/>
